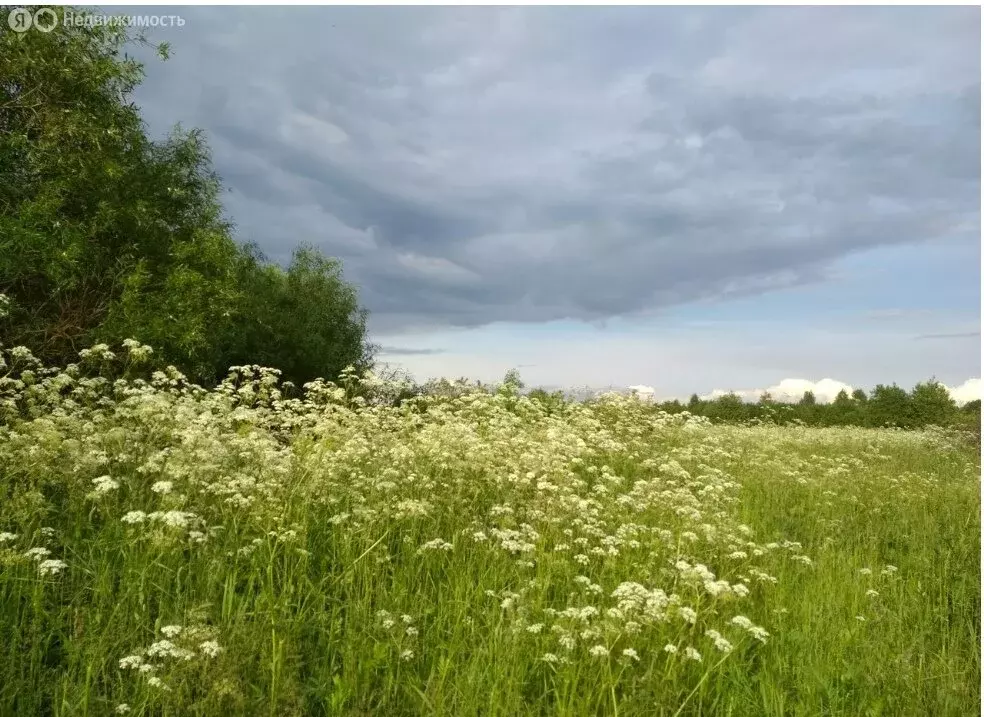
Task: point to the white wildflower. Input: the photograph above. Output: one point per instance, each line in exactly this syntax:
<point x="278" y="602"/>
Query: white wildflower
<point x="692" y="654"/>
<point x="436" y="544"/>
<point x="104" y="484"/>
<point x="739" y="590"/>
<point x="51" y="567"/>
<point x="719" y="642"/>
<point x="688" y="614"/>
<point x="210" y="648"/>
<point x="759" y="633"/>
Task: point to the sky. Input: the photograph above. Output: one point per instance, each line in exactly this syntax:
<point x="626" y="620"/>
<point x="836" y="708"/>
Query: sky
<point x="685" y="199"/>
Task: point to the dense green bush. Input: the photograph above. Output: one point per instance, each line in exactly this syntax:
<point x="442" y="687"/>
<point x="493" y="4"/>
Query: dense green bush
<point x="106" y="234"/>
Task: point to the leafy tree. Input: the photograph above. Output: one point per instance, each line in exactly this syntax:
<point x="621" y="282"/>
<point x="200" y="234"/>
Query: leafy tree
<point x="106" y="234"/>
<point x="674" y="406"/>
<point x="890" y="405"/>
<point x="728" y="407"/>
<point x="306" y="320"/>
<point x="98" y="223"/>
<point x="512" y="384"/>
<point x="931" y="403"/>
<point x="843" y="410"/>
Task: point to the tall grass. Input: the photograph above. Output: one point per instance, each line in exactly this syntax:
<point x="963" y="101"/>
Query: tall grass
<point x="235" y="552"/>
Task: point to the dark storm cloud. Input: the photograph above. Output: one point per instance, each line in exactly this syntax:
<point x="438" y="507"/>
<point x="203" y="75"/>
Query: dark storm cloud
<point x="957" y="335"/>
<point x="472" y="165"/>
<point x="404" y="351"/>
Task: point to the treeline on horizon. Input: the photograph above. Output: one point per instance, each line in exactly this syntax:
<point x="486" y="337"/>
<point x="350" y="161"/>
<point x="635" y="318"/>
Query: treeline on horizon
<point x="928" y="403"/>
<point x="106" y="235"/>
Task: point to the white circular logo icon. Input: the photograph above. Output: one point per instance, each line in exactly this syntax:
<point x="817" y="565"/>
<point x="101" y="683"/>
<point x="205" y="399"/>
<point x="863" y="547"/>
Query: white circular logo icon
<point x="20" y="19"/>
<point x="45" y="19"/>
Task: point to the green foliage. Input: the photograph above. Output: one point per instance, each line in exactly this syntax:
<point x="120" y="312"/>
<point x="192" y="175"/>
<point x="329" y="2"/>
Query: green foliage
<point x="890" y="406"/>
<point x="106" y="234"/>
<point x="929" y="403"/>
<point x="170" y="550"/>
<point x="308" y="308"/>
<point x="512" y="383"/>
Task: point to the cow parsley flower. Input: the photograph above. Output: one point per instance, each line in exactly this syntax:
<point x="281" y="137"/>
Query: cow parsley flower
<point x="692" y="654"/>
<point x="719" y="641"/>
<point x="210" y="648"/>
<point x="688" y="614"/>
<point x="759" y="633"/>
<point x="51" y="567"/>
<point x="104" y="484"/>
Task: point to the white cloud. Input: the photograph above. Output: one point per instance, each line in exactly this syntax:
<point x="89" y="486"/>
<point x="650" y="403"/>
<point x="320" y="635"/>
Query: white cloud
<point x="790" y="390"/>
<point x="826" y="390"/>
<point x="969" y="390"/>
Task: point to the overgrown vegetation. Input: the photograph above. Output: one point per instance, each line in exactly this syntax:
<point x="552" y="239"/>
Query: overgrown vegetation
<point x="106" y="234"/>
<point x="171" y="550"/>
<point x="259" y="546"/>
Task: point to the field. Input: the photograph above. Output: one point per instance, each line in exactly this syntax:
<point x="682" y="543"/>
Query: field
<point x="166" y="550"/>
